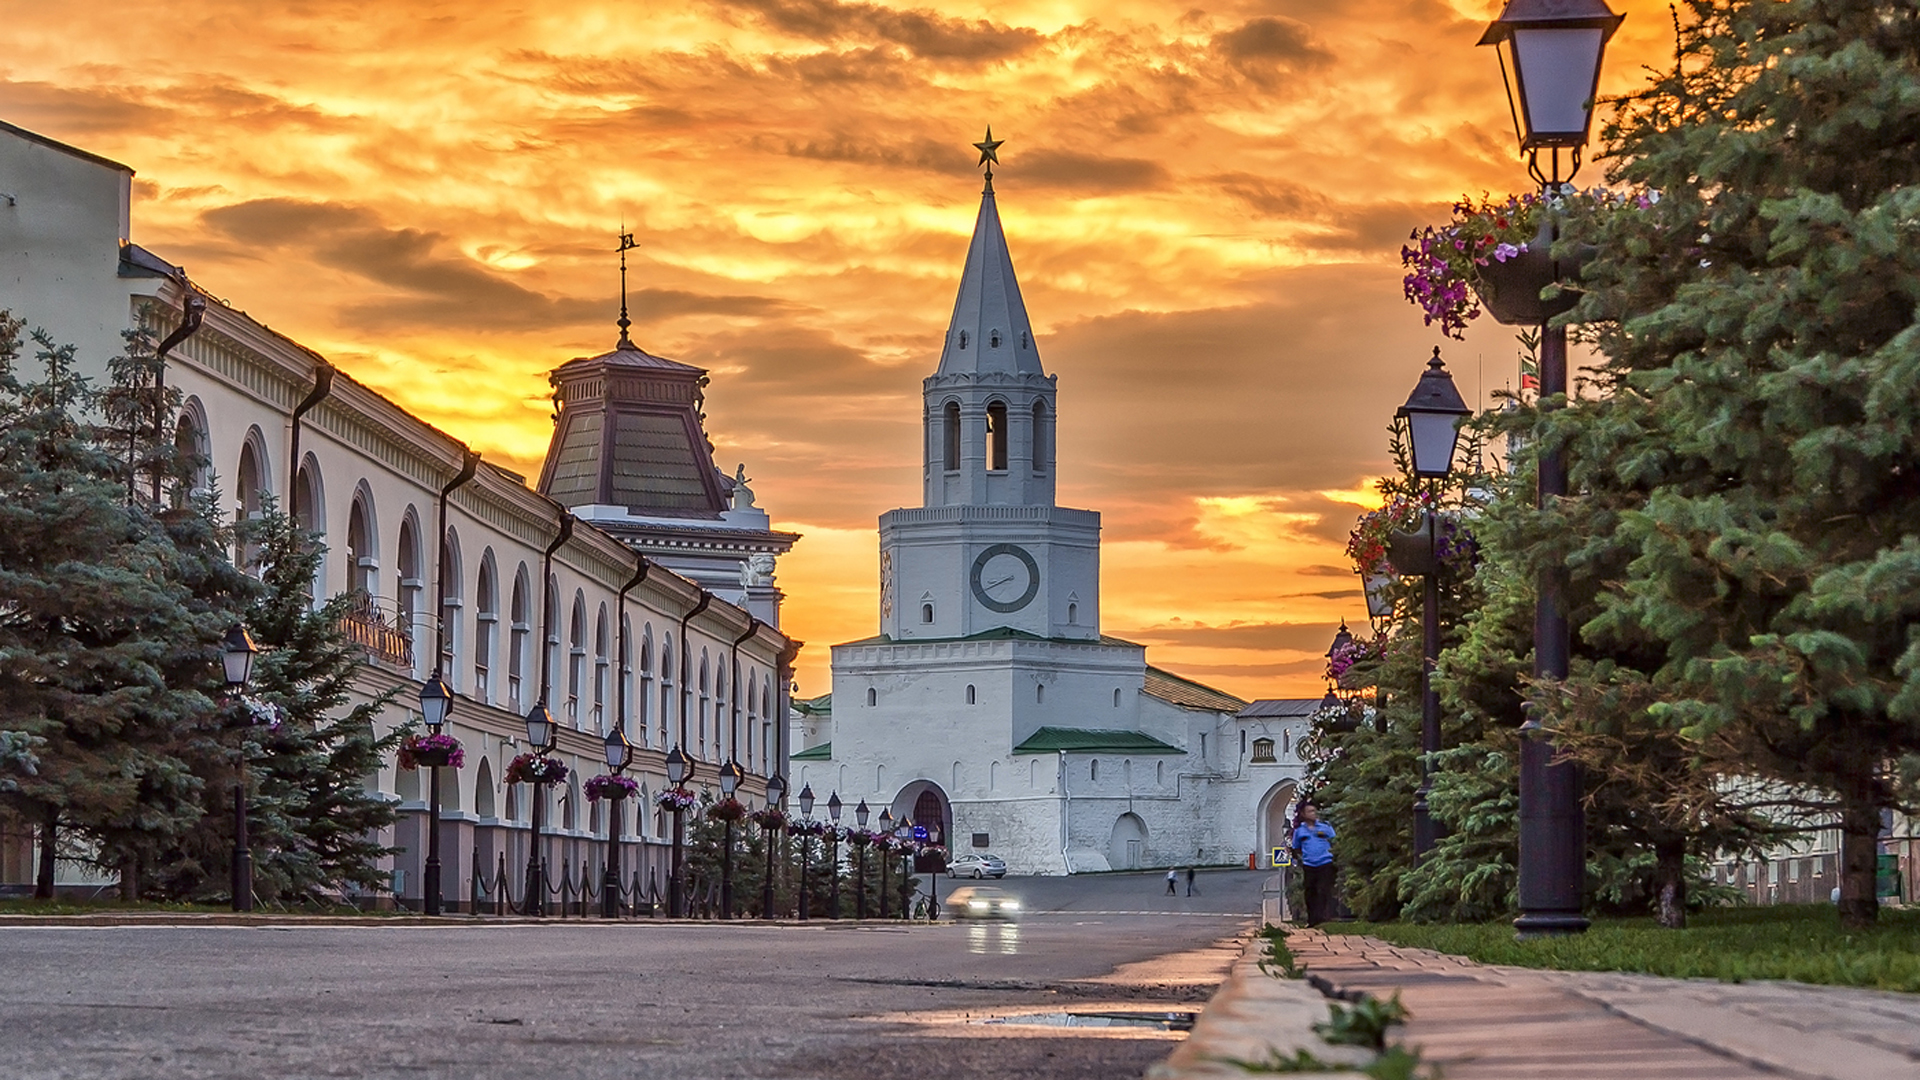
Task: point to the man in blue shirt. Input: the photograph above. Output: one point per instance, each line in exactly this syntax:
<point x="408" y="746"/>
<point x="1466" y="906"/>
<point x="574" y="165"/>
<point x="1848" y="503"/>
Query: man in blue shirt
<point x="1313" y="843"/>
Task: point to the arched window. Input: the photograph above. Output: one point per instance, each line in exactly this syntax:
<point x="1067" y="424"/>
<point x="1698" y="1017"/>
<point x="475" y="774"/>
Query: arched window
<point x="1159" y="772"/>
<point x="521" y="612"/>
<point x="722" y="718"/>
<point x="1040" y="694"/>
<point x="706" y="685"/>
<point x="601" y="658"/>
<point x="1116" y="697"/>
<point x="635" y="734"/>
<point x="363" y="546"/>
<point x="873" y="696"/>
<point x="250" y="482"/>
<point x="993" y="776"/>
<point x="1073" y="614"/>
<point x="550" y="626"/>
<point x="1042" y="438"/>
<point x="926" y="613"/>
<point x="449" y="576"/>
<point x="666" y="691"/>
<point x="412" y="580"/>
<point x="644" y="699"/>
<point x="951" y="429"/>
<point x="753" y="712"/>
<point x="1093" y="769"/>
<point x="486" y="624"/>
<point x="1243" y="742"/>
<point x="309" y="514"/>
<point x="971" y="697"/>
<point x="996" y="435"/>
<point x="190" y="446"/>
<point x="576" y="658"/>
<point x="1286" y="742"/>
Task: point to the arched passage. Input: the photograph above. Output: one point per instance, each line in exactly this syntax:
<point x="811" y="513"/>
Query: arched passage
<point x="926" y="804"/>
<point x="1127" y="844"/>
<point x="1275" y="808"/>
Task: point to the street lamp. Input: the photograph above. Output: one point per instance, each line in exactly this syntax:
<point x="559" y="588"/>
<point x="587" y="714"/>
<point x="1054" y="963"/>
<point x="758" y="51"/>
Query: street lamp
<point x="1556" y="47"/>
<point x="903" y="838"/>
<point x="730" y="776"/>
<point x="237" y="651"/>
<point x="886" y="829"/>
<point x="1433" y="413"/>
<point x="678" y="769"/>
<point x="833" y="861"/>
<point x="540" y="733"/>
<point x="860" y="894"/>
<point x="436" y="701"/>
<point x="776" y="793"/>
<point x="619" y="754"/>
<point x="806" y="846"/>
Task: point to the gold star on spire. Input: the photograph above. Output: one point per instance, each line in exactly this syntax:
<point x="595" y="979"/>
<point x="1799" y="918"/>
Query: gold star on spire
<point x="989" y="154"/>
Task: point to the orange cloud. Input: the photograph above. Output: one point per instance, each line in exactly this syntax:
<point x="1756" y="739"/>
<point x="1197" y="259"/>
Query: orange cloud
<point x="1205" y="206"/>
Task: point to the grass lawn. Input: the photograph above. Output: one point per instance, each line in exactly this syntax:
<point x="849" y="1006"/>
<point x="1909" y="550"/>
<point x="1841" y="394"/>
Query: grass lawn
<point x="1735" y="944"/>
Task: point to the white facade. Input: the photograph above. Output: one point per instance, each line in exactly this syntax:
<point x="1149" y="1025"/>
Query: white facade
<point x="369" y="477"/>
<point x="990" y="708"/>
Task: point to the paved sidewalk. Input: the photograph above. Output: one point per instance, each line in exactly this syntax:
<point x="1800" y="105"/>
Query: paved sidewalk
<point x="1494" y="1023"/>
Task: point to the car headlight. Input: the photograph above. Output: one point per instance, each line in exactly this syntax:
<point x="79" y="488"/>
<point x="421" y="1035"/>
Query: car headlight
<point x="1011" y="905"/>
<point x="976" y="905"/>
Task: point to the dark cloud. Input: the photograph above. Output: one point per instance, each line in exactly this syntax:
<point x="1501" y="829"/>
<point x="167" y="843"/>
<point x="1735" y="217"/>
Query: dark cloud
<point x="1308" y="637"/>
<point x="1088" y="173"/>
<point x="1324" y="571"/>
<point x="1271" y="197"/>
<point x="923" y="32"/>
<point x="923" y="153"/>
<point x="1264" y="48"/>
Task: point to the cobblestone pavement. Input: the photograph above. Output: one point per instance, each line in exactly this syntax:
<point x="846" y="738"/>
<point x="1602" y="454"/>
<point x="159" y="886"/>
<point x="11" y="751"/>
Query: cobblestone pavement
<point x="1494" y="1023"/>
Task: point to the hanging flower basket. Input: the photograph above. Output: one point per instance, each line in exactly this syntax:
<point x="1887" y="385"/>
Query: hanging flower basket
<point x="674" y="800"/>
<point x="768" y="819"/>
<point x="1500" y="255"/>
<point x="536" y="769"/>
<point x="611" y="787"/>
<point x="728" y="809"/>
<point x="859" y="838"/>
<point x="431" y="751"/>
<point x="807" y="828"/>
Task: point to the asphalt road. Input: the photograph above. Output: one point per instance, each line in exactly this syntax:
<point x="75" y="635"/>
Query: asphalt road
<point x="572" y="999"/>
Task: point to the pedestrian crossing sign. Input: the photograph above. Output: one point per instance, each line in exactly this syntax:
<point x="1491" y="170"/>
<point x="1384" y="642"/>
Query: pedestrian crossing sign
<point x="1282" y="857"/>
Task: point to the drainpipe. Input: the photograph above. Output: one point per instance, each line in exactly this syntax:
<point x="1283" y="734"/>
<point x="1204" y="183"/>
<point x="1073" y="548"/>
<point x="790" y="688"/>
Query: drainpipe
<point x="546" y="606"/>
<point x="733" y="672"/>
<point x="468" y="466"/>
<point x="686" y="691"/>
<point x="620" y="615"/>
<point x="322" y="386"/>
<point x="1066" y="825"/>
<point x="192" y="310"/>
<point x="783" y="702"/>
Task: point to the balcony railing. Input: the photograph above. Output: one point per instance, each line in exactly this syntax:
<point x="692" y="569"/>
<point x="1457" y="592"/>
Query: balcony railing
<point x="387" y="639"/>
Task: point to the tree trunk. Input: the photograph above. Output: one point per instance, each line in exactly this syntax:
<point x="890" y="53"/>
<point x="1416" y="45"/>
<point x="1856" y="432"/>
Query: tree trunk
<point x="43" y="884"/>
<point x="130" y="878"/>
<point x="1859" y="844"/>
<point x="1670" y="882"/>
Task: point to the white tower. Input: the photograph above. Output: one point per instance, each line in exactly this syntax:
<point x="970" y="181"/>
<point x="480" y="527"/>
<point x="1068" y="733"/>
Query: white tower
<point x="989" y="549"/>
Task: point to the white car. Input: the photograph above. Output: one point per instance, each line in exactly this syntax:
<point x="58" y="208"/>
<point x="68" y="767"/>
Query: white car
<point x="982" y="902"/>
<point x="976" y="865"/>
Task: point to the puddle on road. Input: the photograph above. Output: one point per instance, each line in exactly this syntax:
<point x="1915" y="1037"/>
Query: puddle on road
<point x="1156" y="1021"/>
<point x="993" y="939"/>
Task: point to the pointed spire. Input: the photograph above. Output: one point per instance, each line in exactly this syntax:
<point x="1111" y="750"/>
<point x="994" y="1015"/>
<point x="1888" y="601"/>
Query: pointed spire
<point x="626" y="245"/>
<point x="989" y="330"/>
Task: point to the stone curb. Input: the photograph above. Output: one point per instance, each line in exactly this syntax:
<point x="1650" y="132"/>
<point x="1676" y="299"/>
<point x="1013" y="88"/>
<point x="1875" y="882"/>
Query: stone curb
<point x="1253" y="1018"/>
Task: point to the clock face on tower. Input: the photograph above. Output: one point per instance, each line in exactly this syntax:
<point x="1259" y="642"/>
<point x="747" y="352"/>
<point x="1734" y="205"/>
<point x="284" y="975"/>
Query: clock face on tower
<point x="1005" y="578"/>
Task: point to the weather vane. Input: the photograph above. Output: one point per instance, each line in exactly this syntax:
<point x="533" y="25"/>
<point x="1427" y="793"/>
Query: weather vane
<point x="626" y="245"/>
<point x="989" y="154"/>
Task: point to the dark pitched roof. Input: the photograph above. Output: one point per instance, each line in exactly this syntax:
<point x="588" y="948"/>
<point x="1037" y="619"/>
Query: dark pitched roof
<point x="1280" y="708"/>
<point x="1188" y="694"/>
<point x="1052" y="740"/>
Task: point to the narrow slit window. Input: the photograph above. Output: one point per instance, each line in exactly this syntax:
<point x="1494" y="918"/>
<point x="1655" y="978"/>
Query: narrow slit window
<point x="951" y="456"/>
<point x="997" y="435"/>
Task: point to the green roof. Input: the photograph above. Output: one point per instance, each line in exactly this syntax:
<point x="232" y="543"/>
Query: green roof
<point x="820" y="706"/>
<point x="1051" y="740"/>
<point x="823" y="752"/>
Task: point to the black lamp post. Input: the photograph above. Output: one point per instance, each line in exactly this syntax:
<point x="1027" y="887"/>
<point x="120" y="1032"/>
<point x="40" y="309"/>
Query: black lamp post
<point x="540" y="735"/>
<point x="619" y="755"/>
<point x="436" y="701"/>
<point x="903" y="840"/>
<point x="1555" y="48"/>
<point x="776" y="792"/>
<point x="886" y="861"/>
<point x="730" y="776"/>
<point x="1433" y="413"/>
<point x="833" y="860"/>
<point x="860" y="886"/>
<point x="806" y="846"/>
<point x="678" y="769"/>
<point x="237" y="651"/>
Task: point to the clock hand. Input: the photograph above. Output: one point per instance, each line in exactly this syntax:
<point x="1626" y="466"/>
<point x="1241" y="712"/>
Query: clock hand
<point x="1002" y="581"/>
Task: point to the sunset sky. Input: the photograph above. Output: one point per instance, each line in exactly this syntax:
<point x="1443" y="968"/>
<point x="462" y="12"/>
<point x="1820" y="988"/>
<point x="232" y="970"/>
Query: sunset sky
<point x="1204" y="205"/>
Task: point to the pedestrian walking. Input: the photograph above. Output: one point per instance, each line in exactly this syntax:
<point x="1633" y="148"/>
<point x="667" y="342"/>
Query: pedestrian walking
<point x="1189" y="881"/>
<point x="1172" y="876"/>
<point x="1313" y="842"/>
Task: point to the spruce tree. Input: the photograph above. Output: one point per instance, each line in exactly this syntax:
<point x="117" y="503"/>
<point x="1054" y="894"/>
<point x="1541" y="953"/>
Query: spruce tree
<point x="1761" y="342"/>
